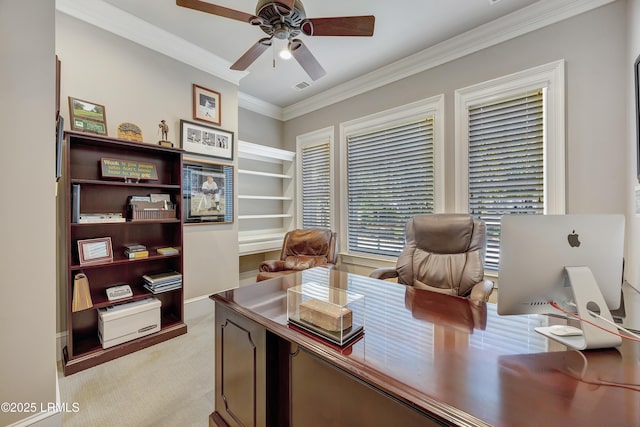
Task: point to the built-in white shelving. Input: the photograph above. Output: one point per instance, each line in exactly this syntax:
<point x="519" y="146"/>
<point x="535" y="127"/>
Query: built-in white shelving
<point x="265" y="196"/>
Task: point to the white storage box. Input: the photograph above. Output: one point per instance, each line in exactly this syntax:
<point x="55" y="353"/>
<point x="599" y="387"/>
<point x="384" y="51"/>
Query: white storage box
<point x="126" y="322"/>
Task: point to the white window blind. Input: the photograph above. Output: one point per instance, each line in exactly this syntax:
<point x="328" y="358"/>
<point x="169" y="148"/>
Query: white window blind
<point x="316" y="186"/>
<point x="390" y="178"/>
<point x="506" y="161"/>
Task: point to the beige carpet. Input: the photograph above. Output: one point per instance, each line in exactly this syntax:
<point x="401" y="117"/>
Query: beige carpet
<point x="169" y="384"/>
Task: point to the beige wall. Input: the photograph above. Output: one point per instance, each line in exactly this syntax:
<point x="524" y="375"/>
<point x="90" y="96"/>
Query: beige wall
<point x="259" y="129"/>
<point x="593" y="45"/>
<point x="138" y="85"/>
<point x="27" y="159"/>
<point x="633" y="212"/>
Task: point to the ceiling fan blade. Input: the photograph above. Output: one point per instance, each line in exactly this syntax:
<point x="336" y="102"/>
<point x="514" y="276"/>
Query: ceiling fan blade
<point x="358" y="26"/>
<point x="306" y="59"/>
<point x="215" y="10"/>
<point x="252" y="54"/>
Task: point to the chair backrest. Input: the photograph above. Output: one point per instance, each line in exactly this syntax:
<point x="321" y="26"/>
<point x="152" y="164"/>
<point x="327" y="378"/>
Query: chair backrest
<point x="443" y="253"/>
<point x="307" y="248"/>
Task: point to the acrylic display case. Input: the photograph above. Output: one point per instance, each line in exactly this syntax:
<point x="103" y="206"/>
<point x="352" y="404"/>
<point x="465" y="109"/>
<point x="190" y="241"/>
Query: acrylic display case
<point x="334" y="314"/>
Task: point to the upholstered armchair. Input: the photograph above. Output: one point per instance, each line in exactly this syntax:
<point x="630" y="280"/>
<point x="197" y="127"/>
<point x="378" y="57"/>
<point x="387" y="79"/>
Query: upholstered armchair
<point x="302" y="249"/>
<point x="443" y="253"/>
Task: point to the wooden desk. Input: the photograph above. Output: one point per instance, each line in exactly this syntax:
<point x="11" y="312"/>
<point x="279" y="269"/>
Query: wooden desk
<point x="424" y="359"/>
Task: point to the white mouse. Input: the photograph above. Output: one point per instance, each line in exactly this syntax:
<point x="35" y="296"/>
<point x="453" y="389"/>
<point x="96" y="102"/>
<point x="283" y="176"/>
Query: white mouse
<point x="564" y="330"/>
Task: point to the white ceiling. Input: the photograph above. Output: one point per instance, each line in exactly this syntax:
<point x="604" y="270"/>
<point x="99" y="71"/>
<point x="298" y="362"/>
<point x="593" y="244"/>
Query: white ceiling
<point x="409" y="36"/>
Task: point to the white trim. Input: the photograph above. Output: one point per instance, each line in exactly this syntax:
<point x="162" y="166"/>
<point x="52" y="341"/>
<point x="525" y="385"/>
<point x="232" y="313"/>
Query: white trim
<point x="251" y="103"/>
<point x="250" y="150"/>
<point x="523" y="21"/>
<point x="130" y="27"/>
<point x="389" y="118"/>
<point x="316" y="137"/>
<point x="551" y="78"/>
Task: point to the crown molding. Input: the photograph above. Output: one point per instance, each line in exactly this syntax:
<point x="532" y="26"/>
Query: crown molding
<point x="123" y="24"/>
<point x="531" y="18"/>
<point x="257" y="105"/>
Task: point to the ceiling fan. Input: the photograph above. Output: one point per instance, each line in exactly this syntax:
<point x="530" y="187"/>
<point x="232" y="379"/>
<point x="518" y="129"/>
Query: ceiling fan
<point x="285" y="20"/>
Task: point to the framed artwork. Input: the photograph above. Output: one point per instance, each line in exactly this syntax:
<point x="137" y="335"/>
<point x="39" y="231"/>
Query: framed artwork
<point x="91" y="251"/>
<point x="206" y="105"/>
<point x="636" y="74"/>
<point x="87" y="116"/>
<point x="207" y="192"/>
<point x="201" y="139"/>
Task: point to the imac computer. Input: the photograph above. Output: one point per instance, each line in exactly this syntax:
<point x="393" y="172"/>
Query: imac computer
<point x="575" y="261"/>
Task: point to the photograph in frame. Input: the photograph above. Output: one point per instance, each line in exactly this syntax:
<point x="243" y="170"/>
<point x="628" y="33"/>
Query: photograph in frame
<point x="87" y="116"/>
<point x="206" y="105"/>
<point x="207" y="191"/>
<point x="91" y="251"/>
<point x="206" y="140"/>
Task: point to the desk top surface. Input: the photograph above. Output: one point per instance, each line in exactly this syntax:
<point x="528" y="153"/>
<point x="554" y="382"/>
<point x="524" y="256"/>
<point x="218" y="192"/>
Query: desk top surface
<point x="460" y="360"/>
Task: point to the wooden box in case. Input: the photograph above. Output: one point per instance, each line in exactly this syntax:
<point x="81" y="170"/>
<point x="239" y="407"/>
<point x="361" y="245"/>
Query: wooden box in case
<point x="332" y="313"/>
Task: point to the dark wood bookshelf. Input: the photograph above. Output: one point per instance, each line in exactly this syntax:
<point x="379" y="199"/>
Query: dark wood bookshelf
<point x="109" y="195"/>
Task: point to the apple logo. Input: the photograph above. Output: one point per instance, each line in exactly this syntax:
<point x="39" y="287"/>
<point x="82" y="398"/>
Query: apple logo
<point x="574" y="242"/>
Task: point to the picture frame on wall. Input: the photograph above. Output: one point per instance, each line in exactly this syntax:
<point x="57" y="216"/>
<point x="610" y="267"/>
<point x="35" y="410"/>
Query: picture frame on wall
<point x="207" y="192"/>
<point x="87" y="116"/>
<point x="206" y="140"/>
<point x="206" y="105"/>
<point x="636" y="74"/>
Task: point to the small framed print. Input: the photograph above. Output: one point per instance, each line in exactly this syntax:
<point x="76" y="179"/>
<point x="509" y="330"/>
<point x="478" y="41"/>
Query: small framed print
<point x="206" y="105"/>
<point x="91" y="251"/>
<point x="87" y="116"/>
<point x="201" y="139"/>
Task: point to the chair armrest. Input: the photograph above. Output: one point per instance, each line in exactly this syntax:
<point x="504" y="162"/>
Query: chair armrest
<point x="384" y="273"/>
<point x="272" y="265"/>
<point x="481" y="291"/>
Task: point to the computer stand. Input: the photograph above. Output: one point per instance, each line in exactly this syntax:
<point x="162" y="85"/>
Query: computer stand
<point x="587" y="298"/>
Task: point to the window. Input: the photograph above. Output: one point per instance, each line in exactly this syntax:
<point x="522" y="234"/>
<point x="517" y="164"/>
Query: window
<point x="390" y="169"/>
<point x="315" y="179"/>
<point x="511" y="149"/>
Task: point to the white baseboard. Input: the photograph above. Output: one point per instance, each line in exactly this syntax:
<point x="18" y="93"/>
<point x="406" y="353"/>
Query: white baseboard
<point x="193" y="308"/>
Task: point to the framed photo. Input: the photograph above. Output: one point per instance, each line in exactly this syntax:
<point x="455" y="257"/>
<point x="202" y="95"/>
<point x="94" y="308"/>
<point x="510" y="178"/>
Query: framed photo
<point x="206" y="105"/>
<point x="91" y="251"/>
<point x="207" y="191"/>
<point x="201" y="139"/>
<point x="87" y="116"/>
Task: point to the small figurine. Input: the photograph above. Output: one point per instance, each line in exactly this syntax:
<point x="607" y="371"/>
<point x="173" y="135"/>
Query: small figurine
<point x="164" y="130"/>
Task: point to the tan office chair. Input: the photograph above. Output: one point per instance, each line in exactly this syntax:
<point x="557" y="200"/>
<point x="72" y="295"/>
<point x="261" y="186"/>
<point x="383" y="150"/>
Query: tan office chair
<point x="443" y="253"/>
<point x="302" y="249"/>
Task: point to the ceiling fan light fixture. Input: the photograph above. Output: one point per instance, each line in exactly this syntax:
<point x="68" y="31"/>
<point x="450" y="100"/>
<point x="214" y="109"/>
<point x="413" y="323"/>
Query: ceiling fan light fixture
<point x="285" y="54"/>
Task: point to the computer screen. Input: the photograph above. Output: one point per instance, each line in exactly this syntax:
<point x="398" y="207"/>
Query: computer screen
<point x="535" y="249"/>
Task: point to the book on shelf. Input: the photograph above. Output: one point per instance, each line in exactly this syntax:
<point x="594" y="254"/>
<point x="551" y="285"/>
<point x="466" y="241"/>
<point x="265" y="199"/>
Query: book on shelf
<point x="167" y="251"/>
<point x="134" y="247"/>
<point x="89" y="218"/>
<point x="160" y="289"/>
<point x="137" y="254"/>
<point x="161" y="278"/>
<point x="75" y="203"/>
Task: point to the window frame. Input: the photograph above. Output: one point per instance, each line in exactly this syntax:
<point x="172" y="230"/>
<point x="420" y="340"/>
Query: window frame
<point x="551" y="79"/>
<point x="433" y="106"/>
<point x="317" y="137"/>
